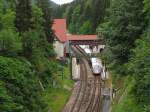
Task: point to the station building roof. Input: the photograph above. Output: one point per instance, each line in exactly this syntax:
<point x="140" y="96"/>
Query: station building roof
<point x="60" y="30"/>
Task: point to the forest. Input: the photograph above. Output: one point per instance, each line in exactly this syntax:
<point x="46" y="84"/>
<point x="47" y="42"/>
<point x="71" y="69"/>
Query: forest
<point x="27" y="65"/>
<point x="26" y="52"/>
<point x="83" y="16"/>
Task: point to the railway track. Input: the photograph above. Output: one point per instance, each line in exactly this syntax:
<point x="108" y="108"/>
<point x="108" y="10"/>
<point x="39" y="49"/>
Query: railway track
<point x="83" y="78"/>
<point x="86" y="95"/>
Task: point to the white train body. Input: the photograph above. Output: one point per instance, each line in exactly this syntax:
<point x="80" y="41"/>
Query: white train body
<point x="97" y="67"/>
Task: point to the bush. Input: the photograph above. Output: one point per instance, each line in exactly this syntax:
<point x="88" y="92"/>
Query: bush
<point x="21" y="84"/>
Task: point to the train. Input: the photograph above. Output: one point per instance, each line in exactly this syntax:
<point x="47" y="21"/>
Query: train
<point x="96" y="64"/>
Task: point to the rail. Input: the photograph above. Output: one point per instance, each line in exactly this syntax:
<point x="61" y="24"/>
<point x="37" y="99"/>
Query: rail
<point x="86" y="95"/>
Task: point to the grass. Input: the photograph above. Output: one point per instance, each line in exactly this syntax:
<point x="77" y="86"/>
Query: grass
<point x="56" y="99"/>
<point x="67" y="80"/>
<point x="57" y="96"/>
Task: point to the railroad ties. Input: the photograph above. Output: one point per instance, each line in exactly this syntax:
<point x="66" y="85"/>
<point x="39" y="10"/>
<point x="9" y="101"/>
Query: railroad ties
<point x="86" y="95"/>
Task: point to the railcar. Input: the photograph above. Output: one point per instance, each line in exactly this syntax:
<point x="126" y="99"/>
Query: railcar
<point x="96" y="66"/>
<point x="95" y="63"/>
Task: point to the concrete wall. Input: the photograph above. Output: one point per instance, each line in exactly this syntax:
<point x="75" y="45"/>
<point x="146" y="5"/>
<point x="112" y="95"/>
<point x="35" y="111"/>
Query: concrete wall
<point x="75" y="69"/>
<point x="59" y="49"/>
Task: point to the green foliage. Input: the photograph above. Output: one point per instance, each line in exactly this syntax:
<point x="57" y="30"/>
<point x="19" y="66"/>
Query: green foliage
<point x="37" y="49"/>
<point x="74" y="26"/>
<point x="44" y="68"/>
<point x="147" y="108"/>
<point x="22" y="86"/>
<point x="123" y="26"/>
<point x="128" y="53"/>
<point x="79" y="12"/>
<point x="6" y="101"/>
<point x="57" y="96"/>
<point x="58" y="10"/>
<point x="36" y="38"/>
<point x="56" y="99"/>
<point x="7" y="20"/>
<point x="30" y="41"/>
<point x="147" y="7"/>
<point x="86" y="28"/>
<point x="126" y="102"/>
<point x="23" y="15"/>
<point x="46" y="9"/>
<point x="10" y="42"/>
<point x="37" y="18"/>
<point x="23" y="36"/>
<point x="140" y="67"/>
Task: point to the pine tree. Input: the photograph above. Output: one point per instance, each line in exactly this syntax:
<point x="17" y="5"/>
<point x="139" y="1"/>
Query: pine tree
<point x="46" y="9"/>
<point x="98" y="11"/>
<point x="23" y="15"/>
<point x="88" y="10"/>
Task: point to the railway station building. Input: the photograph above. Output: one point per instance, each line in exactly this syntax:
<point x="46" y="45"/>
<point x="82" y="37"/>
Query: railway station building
<point x="59" y="28"/>
<point x="62" y="38"/>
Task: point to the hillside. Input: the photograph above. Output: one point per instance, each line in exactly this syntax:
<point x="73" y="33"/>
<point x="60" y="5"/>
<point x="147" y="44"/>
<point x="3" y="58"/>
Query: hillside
<point x="33" y="79"/>
<point x="28" y="67"/>
<point x="83" y="16"/>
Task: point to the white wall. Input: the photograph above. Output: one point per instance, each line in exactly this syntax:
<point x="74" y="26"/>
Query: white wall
<point x="75" y="69"/>
<point x="59" y="49"/>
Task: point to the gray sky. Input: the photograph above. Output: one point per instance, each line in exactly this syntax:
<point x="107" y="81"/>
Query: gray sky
<point x="62" y="1"/>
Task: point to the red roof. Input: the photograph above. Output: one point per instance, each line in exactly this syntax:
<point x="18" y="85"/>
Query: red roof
<point x="82" y="37"/>
<point x="60" y="31"/>
<point x="59" y="27"/>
